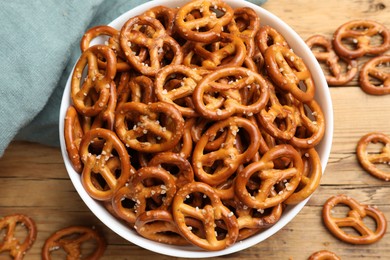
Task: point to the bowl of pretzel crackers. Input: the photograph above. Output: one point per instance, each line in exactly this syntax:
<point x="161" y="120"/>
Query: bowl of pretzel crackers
<point x="195" y="128"/>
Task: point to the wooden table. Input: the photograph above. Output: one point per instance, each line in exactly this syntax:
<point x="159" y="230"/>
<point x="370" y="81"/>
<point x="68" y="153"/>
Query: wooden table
<point x="33" y="179"/>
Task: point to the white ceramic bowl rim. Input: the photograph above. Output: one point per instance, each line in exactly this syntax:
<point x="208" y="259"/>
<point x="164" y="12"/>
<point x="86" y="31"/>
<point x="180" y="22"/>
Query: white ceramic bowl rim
<point x="322" y="96"/>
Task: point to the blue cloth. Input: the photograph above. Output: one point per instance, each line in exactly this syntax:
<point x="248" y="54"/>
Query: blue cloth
<point x="39" y="46"/>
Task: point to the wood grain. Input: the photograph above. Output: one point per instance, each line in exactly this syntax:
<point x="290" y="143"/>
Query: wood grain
<point x="33" y="179"/>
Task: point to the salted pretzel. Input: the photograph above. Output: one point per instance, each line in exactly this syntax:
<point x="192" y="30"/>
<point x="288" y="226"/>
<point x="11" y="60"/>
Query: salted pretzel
<point x="123" y="205"/>
<point x="311" y="177"/>
<point x="369" y="160"/>
<point x="106" y="117"/>
<point x="230" y="101"/>
<point x="228" y="50"/>
<point x="211" y="211"/>
<point x="112" y="42"/>
<point x="375" y="70"/>
<point x="17" y="249"/>
<point x="214" y="167"/>
<point x="142" y="127"/>
<point x="186" y="80"/>
<point x="135" y="88"/>
<point x="179" y="167"/>
<point x="199" y="126"/>
<point x="359" y="33"/>
<point x="139" y="190"/>
<point x="142" y="194"/>
<point x="312" y="120"/>
<point x="165" y="15"/>
<point x="94" y="80"/>
<point x="185" y="146"/>
<point x="254" y="64"/>
<point x="289" y="71"/>
<point x="268" y="36"/>
<point x="258" y="60"/>
<point x="73" y="133"/>
<point x="154" y="40"/>
<point x="225" y="190"/>
<point x="104" y="164"/>
<point x="163" y="186"/>
<point x="189" y="58"/>
<point x="354" y="219"/>
<point x="73" y="241"/>
<point x="209" y="25"/>
<point x="275" y="112"/>
<point x="158" y="225"/>
<point x="270" y="176"/>
<point x="248" y="232"/>
<point x="245" y="24"/>
<point x="266" y="141"/>
<point x="324" y="255"/>
<point x="100" y="30"/>
<point x="251" y="218"/>
<point x="332" y="61"/>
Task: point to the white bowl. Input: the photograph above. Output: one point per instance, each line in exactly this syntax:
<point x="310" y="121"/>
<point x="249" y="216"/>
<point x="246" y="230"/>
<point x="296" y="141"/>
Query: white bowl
<point x="322" y="96"/>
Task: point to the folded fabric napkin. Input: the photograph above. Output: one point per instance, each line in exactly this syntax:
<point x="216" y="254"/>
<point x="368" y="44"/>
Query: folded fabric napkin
<point x="39" y="46"/>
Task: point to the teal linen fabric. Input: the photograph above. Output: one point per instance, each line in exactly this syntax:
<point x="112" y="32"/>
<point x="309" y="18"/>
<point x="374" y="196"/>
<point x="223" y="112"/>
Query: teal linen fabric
<point x="39" y="46"/>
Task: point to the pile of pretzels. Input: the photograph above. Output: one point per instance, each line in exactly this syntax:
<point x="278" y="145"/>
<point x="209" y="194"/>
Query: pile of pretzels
<point x="351" y="41"/>
<point x="75" y="241"/>
<point x="194" y="125"/>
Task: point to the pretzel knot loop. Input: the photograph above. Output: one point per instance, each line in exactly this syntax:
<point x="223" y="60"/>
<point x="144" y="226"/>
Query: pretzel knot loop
<point x="209" y="213"/>
<point x="105" y="163"/>
<point x="214" y="167"/>
<point x="10" y="242"/>
<point x="284" y="181"/>
<point x="155" y="127"/>
<point x="354" y="219"/>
